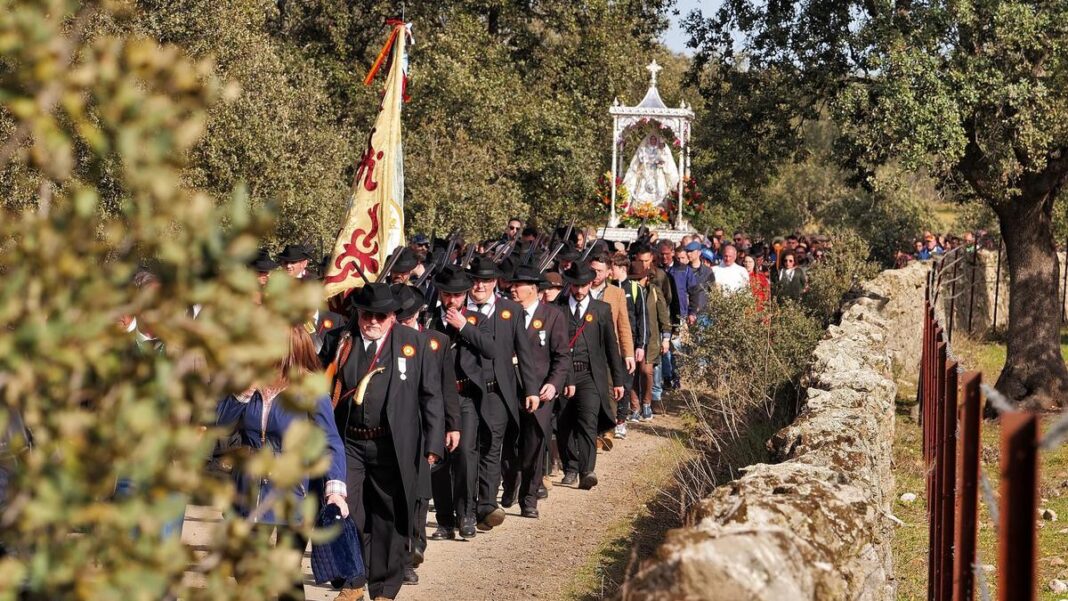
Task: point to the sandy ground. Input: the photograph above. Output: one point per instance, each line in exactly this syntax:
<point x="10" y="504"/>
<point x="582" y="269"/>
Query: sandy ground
<point x="523" y="558"/>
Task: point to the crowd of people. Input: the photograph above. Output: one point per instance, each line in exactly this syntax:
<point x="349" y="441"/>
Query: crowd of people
<point x="931" y="245"/>
<point x="467" y="374"/>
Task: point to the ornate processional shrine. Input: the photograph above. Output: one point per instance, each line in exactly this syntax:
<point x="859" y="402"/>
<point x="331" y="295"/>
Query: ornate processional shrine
<point x="654" y="177"/>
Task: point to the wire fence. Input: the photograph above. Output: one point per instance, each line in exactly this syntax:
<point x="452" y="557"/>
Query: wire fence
<point x="951" y="410"/>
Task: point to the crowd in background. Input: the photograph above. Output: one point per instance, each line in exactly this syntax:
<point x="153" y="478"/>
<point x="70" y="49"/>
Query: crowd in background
<point x="931" y="245"/>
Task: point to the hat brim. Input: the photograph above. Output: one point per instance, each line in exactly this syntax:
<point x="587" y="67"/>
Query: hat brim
<point x="384" y="307"/>
<point x="451" y="289"/>
<point x="291" y="259"/>
<point x="578" y="281"/>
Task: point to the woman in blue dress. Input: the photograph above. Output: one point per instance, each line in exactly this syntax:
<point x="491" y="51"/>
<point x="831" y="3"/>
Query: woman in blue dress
<point x="261" y="419"/>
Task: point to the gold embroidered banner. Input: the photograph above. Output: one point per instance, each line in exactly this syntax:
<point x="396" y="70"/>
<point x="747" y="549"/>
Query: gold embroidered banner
<point x="374" y="225"/>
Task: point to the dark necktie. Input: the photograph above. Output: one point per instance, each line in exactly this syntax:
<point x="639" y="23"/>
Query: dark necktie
<point x="578" y="311"/>
<point x="368" y="356"/>
<point x="481" y="308"/>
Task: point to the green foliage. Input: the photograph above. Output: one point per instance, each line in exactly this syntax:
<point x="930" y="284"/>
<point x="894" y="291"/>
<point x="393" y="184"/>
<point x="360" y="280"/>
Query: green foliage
<point x="508" y="111"/>
<point x="111" y="119"/>
<point x="747" y="358"/>
<point x="841" y="271"/>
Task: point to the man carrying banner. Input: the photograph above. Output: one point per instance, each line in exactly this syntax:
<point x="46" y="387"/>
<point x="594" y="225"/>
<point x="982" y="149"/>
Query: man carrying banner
<point x="385" y="387"/>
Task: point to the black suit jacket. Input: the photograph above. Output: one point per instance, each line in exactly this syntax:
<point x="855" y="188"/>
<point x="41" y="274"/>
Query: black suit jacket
<point x="606" y="364"/>
<point x="470" y="345"/>
<point x="548" y="338"/>
<point x="444" y="355"/>
<point x="510" y="341"/>
<point x="414" y="406"/>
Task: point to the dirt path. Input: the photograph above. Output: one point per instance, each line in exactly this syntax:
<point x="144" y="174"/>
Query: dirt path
<point x="552" y="557"/>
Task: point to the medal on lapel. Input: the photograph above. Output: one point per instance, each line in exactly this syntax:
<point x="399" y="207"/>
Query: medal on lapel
<point x="541" y="336"/>
<point x="402" y="361"/>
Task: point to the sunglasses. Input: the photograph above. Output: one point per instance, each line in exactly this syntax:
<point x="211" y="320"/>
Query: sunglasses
<point x="512" y="228"/>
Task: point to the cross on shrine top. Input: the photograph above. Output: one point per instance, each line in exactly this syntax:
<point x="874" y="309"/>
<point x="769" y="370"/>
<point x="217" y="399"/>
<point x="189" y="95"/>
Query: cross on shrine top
<point x="653" y="69"/>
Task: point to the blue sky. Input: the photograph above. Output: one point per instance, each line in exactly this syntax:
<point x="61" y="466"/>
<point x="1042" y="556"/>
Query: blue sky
<point x="675" y="38"/>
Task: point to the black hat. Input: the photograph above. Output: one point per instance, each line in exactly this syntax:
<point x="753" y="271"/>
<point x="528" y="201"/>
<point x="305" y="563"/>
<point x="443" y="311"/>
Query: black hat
<point x="452" y="279"/>
<point x="411" y="300"/>
<point x="263" y="261"/>
<point x="420" y="240"/>
<point x="526" y="274"/>
<point x="507" y="266"/>
<point x="569" y="253"/>
<point x="482" y="268"/>
<point x="578" y="274"/>
<point x="293" y="253"/>
<point x="405" y="262"/>
<point x="376" y="298"/>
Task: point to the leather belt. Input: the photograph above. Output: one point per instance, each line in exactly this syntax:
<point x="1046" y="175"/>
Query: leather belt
<point x="367" y="433"/>
<point x="466" y="386"/>
<point x="580" y="366"/>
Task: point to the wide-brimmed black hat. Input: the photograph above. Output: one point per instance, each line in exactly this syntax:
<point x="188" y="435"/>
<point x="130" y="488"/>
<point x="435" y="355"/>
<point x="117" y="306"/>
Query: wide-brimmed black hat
<point x="375" y="298"/>
<point x="293" y="253"/>
<point x="569" y="253"/>
<point x="526" y="274"/>
<point x="410" y="298"/>
<point x="263" y="261"/>
<point x="483" y="268"/>
<point x="453" y="280"/>
<point x="405" y="262"/>
<point x="578" y="274"/>
<point x="507" y="266"/>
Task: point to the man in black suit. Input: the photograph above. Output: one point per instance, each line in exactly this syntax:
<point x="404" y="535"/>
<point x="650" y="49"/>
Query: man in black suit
<point x="596" y="368"/>
<point x="389" y="429"/>
<point x="455" y="482"/>
<point x="512" y="369"/>
<point x="546" y="327"/>
<point x="412" y="303"/>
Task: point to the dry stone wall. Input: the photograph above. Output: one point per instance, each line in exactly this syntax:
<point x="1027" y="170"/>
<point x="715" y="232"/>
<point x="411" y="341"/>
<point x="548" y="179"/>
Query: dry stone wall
<point x="817" y="524"/>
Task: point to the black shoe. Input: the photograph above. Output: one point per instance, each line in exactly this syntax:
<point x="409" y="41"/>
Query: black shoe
<point x="491" y="520"/>
<point x="337" y="583"/>
<point x="508" y="497"/>
<point x="529" y="512"/>
<point x="588" y="481"/>
<point x="543" y="493"/>
<point x="467" y="528"/>
<point x="410" y="577"/>
<point x="443" y="533"/>
<point x="418" y="556"/>
<point x="570" y="479"/>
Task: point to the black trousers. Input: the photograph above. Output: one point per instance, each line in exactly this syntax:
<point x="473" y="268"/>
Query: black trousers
<point x="525" y="466"/>
<point x="454" y="481"/>
<point x="492" y="425"/>
<point x="422" y="506"/>
<point x="377" y="505"/>
<point x="576" y="426"/>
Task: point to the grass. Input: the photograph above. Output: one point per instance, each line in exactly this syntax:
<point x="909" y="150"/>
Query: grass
<point x="910" y="540"/>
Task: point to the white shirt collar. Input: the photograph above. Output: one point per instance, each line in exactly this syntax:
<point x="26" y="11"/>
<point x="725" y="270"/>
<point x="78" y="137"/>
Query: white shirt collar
<point x="584" y="304"/>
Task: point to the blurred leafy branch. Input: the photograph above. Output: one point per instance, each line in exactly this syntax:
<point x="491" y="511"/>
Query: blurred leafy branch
<point x="115" y="116"/>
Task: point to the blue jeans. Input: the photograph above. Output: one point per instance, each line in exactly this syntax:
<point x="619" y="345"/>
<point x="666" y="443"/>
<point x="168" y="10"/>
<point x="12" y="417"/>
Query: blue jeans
<point x="658" y="381"/>
<point x="667" y="370"/>
<point x="125" y="488"/>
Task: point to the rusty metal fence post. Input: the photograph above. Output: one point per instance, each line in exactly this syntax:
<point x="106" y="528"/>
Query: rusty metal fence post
<point x="966" y="526"/>
<point x="1017" y="506"/>
<point x="948" y="476"/>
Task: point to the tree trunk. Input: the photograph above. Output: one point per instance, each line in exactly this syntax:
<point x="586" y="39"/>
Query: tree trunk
<point x="1034" y="371"/>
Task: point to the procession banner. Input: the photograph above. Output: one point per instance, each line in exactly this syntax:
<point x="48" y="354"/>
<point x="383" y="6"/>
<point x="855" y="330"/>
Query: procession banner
<point x="374" y="224"/>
